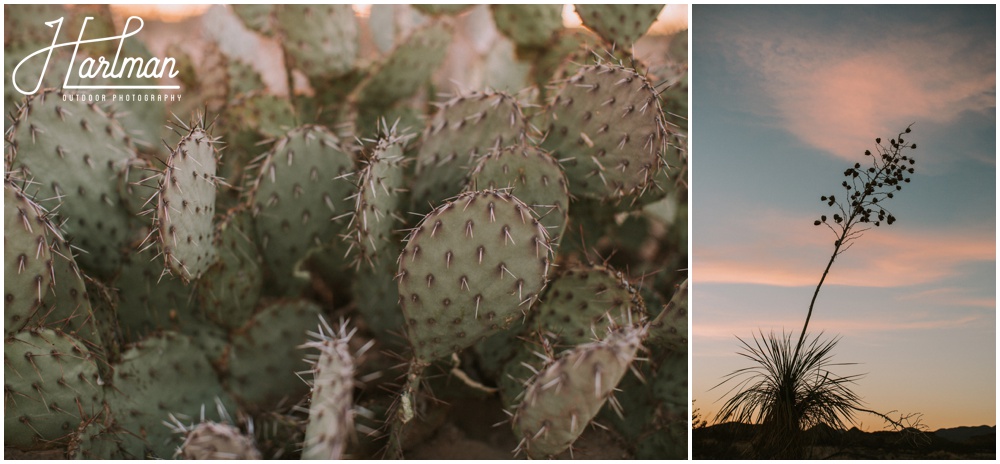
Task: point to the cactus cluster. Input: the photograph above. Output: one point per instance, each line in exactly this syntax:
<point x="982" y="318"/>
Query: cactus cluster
<point x="168" y="278"/>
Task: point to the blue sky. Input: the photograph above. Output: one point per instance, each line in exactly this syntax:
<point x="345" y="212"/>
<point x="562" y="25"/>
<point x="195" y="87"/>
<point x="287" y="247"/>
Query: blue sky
<point x="786" y="98"/>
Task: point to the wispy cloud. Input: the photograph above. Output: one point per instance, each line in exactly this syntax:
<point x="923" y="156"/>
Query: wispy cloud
<point x="792" y="256"/>
<point x="822" y="90"/>
<point x="855" y="327"/>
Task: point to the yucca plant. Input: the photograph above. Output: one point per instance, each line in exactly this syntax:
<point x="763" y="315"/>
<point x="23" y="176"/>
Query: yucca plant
<point x="788" y="387"/>
<point x="788" y="392"/>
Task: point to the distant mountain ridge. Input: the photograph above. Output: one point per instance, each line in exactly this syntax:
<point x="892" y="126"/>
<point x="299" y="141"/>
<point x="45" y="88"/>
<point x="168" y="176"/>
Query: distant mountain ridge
<point x="965" y="434"/>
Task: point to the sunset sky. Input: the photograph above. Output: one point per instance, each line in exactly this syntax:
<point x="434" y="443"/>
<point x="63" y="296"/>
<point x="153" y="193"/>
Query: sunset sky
<point x="785" y="99"/>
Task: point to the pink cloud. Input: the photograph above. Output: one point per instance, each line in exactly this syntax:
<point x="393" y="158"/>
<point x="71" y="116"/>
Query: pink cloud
<point x="711" y="330"/>
<point x="838" y="93"/>
<point x="795" y="256"/>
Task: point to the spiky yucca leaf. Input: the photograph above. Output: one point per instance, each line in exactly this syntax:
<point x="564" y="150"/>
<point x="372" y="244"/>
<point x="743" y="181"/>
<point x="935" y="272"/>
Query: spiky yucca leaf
<point x="787" y="392"/>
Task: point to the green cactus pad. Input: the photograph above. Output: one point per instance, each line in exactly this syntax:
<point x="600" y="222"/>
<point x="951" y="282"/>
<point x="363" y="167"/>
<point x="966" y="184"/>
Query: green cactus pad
<point x="263" y="359"/>
<point x="561" y="400"/>
<point x="50" y="386"/>
<point x="137" y="183"/>
<point x="533" y="176"/>
<point x="229" y="290"/>
<point x="299" y="189"/>
<point x="464" y="128"/>
<point x="257" y="17"/>
<point x="151" y="299"/>
<point x="162" y="376"/>
<point x="72" y="151"/>
<point x="186" y="205"/>
<point x="583" y="301"/>
<point x="331" y="419"/>
<point x="669" y="328"/>
<point x="102" y="438"/>
<point x="380" y="189"/>
<point x="567" y="44"/>
<point x="27" y="259"/>
<point x="406" y="68"/>
<point x="607" y="129"/>
<point x="243" y="78"/>
<point x="655" y="416"/>
<point x="447" y="9"/>
<point x="580" y="304"/>
<point x="379" y="308"/>
<point x="621" y="25"/>
<point x="44" y="285"/>
<point x="268" y="115"/>
<point x="528" y="25"/>
<point x="319" y="40"/>
<point x="473" y="266"/>
<point x="217" y="441"/>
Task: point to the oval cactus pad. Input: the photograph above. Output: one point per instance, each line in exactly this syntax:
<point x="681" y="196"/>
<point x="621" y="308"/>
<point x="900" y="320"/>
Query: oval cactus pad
<point x="473" y="266"/>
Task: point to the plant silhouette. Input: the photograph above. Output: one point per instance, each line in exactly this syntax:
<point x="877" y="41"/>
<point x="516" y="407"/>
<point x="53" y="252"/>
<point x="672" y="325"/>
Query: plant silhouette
<point x="789" y="388"/>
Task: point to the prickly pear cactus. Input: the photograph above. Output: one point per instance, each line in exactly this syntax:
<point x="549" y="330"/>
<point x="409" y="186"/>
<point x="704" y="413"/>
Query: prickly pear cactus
<point x="229" y="290"/>
<point x="471" y="267"/>
<point x="528" y="25"/>
<point x="406" y="67"/>
<point x="71" y="152"/>
<point x="50" y="387"/>
<point x="621" y="25"/>
<point x="464" y="129"/>
<point x="152" y="287"/>
<point x="441" y="9"/>
<point x="267" y="346"/>
<point x="259" y="18"/>
<point x="569" y="392"/>
<point x="608" y="129"/>
<point x="534" y="176"/>
<point x="300" y="187"/>
<point x="27" y="260"/>
<point x="217" y="441"/>
<point x="173" y="369"/>
<point x="319" y="40"/>
<point x="669" y="328"/>
<point x="331" y="421"/>
<point x="185" y="207"/>
<point x="377" y="202"/>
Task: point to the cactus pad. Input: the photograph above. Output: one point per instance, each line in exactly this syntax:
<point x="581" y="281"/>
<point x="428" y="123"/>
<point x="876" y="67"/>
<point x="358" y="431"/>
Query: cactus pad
<point x="528" y="25"/>
<point x="50" y="386"/>
<point x="27" y="259"/>
<point x="229" y="290"/>
<point x="266" y="348"/>
<point x="299" y="188"/>
<point x="331" y="421"/>
<point x="172" y="369"/>
<point x="607" y="129"/>
<point x="533" y="176"/>
<point x="464" y="128"/>
<point x="217" y="441"/>
<point x="669" y="328"/>
<point x="473" y="266"/>
<point x="621" y="25"/>
<point x="562" y="399"/>
<point x="319" y="40"/>
<point x="186" y="205"/>
<point x="72" y="151"/>
<point x="381" y="184"/>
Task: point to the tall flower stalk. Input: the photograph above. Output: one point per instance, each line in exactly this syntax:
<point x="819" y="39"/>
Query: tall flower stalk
<point x="789" y="389"/>
<point x="868" y="187"/>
